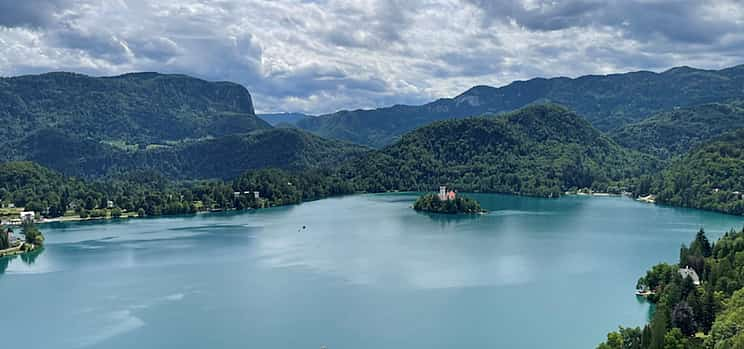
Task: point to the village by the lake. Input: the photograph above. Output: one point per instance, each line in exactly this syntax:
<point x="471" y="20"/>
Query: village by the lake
<point x="20" y="236"/>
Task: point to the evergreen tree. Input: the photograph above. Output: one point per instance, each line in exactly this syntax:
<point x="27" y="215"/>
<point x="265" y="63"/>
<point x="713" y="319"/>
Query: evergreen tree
<point x="703" y="244"/>
<point x="4" y="238"/>
<point x="658" y="327"/>
<point x="708" y="314"/>
<point x="684" y="319"/>
<point x="646" y="337"/>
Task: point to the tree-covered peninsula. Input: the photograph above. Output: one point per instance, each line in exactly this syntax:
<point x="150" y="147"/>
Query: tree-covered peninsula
<point x="449" y="203"/>
<point x="699" y="302"/>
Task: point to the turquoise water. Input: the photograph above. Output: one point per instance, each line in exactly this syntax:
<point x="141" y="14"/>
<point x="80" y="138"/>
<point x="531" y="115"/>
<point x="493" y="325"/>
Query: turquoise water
<point x="367" y="272"/>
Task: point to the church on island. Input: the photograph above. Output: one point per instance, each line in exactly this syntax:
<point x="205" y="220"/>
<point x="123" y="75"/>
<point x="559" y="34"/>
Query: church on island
<point x="445" y="195"/>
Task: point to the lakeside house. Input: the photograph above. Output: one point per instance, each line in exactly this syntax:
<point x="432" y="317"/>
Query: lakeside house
<point x="445" y="195"/>
<point x="689" y="272"/>
<point x="28" y="216"/>
<point x="256" y="195"/>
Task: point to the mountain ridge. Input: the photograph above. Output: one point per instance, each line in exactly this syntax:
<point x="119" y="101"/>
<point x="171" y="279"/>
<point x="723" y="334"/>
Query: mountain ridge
<point x="607" y="101"/>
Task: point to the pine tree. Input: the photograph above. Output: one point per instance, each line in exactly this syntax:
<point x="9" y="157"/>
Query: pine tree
<point x="659" y="327"/>
<point x="708" y="315"/>
<point x="646" y="337"/>
<point x="4" y="238"/>
<point x="702" y="244"/>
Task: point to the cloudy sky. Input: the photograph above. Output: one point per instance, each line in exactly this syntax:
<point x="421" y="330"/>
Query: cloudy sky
<point x="319" y="56"/>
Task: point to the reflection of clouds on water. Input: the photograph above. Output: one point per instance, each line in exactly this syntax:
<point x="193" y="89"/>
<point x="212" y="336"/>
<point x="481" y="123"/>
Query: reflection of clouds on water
<point x="519" y="213"/>
<point x="174" y="297"/>
<point x="391" y="246"/>
<point x="115" y="323"/>
<point x="110" y="324"/>
<point x="408" y="259"/>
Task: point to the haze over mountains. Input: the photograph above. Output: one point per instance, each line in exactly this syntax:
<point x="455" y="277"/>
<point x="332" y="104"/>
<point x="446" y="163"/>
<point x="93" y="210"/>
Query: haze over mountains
<point x="608" y="102"/>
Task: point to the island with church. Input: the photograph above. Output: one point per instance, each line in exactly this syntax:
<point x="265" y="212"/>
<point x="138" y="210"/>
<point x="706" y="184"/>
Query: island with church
<point x="447" y="201"/>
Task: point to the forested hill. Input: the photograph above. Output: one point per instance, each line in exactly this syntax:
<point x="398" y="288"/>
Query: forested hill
<point x="136" y="108"/>
<point x="711" y="177"/>
<point x="223" y="157"/>
<point x="540" y="150"/>
<point x="607" y="102"/>
<point x="177" y="125"/>
<point x="676" y="132"/>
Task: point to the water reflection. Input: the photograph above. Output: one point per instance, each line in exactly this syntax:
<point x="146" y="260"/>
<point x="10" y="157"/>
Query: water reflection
<point x="449" y="219"/>
<point x="29" y="258"/>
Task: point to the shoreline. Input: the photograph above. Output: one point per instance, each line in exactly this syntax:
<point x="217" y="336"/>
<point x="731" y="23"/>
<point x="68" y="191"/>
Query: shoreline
<point x="128" y="215"/>
<point x="18" y="250"/>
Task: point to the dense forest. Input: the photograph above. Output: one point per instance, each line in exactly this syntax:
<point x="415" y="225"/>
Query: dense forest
<point x="52" y="194"/>
<point x="178" y="126"/>
<point x="541" y="150"/>
<point x="136" y="108"/>
<point x="710" y="177"/>
<point x="686" y="315"/>
<point x="608" y="102"/>
<point x="675" y="132"/>
<point x="223" y="157"/>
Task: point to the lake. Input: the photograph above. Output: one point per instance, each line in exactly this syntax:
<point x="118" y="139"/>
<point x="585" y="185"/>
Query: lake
<point x="366" y="272"/>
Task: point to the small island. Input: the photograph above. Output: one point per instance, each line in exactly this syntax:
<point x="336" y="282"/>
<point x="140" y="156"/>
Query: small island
<point x="11" y="245"/>
<point x="447" y="202"/>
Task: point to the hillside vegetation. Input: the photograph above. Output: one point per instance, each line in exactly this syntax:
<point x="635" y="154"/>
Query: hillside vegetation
<point x="178" y="126"/>
<point x="689" y="316"/>
<point x="540" y="150"/>
<point x="137" y="108"/>
<point x="709" y="177"/>
<point x="223" y="157"/>
<point x="608" y="102"/>
<point x="146" y="193"/>
<point x="675" y="132"/>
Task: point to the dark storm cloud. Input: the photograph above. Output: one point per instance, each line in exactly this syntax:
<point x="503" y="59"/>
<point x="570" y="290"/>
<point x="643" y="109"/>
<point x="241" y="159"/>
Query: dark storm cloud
<point x="36" y="13"/>
<point x="675" y="20"/>
<point x="98" y="44"/>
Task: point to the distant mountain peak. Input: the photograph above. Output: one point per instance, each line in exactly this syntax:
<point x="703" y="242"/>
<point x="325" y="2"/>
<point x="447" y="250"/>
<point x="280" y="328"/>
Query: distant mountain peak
<point x="608" y="102"/>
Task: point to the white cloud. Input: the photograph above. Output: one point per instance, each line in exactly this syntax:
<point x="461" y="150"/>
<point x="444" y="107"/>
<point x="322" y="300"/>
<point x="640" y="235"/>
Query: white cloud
<point x="320" y="56"/>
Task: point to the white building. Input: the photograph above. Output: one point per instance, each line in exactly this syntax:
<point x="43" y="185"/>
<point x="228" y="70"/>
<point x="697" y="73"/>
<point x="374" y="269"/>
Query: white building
<point x="442" y="192"/>
<point x="28" y="216"/>
<point x="689" y="272"/>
